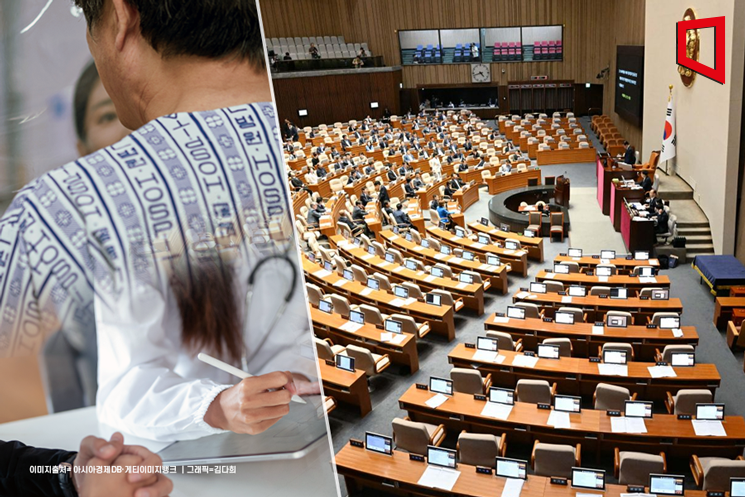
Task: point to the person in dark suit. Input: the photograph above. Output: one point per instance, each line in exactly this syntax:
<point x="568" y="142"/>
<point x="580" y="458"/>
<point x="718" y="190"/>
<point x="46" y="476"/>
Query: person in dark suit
<point x="391" y="174"/>
<point x="345" y="143"/>
<point x="402" y="218"/>
<point x="654" y="200"/>
<point x="314" y="215"/>
<point x="417" y="182"/>
<point x="661" y="220"/>
<point x="358" y="214"/>
<point x="462" y="167"/>
<point x="382" y="192"/>
<point x="409" y="189"/>
<point x="435" y="202"/>
<point x="629" y="155"/>
<point x="456" y="182"/>
<point x="321" y="171"/>
<point x="365" y="197"/>
<point x="646" y="181"/>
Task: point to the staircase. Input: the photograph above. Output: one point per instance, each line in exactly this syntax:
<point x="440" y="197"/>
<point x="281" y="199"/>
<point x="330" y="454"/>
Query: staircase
<point x="692" y="222"/>
<point x="698" y="237"/>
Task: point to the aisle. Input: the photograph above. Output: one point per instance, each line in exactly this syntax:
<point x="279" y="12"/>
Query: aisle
<point x="590" y="229"/>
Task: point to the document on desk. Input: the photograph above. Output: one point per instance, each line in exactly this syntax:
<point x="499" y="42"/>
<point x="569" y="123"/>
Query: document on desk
<point x="559" y="419"/>
<point x="661" y="372"/>
<point x="350" y="327"/>
<point x="398" y="269"/>
<point x="384" y="264"/>
<point x="509" y="252"/>
<point x="627" y="425"/>
<point x="395" y="339"/>
<point x="501" y="319"/>
<point x="487" y="267"/>
<point x="430" y="278"/>
<point x="576" y="258"/>
<point x="440" y="256"/>
<point x="566" y="299"/>
<point x="513" y="487"/>
<point x="677" y="332"/>
<point x="397" y="302"/>
<point x="708" y="428"/>
<point x="461" y="286"/>
<point x="598" y="330"/>
<point x="418" y="248"/>
<point x="442" y="478"/>
<point x="340" y="282"/>
<point x="524" y="361"/>
<point x="603" y="279"/>
<point x="477" y="245"/>
<point x="367" y="257"/>
<point x="496" y="410"/>
<point x="321" y="273"/>
<point x="409" y="301"/>
<point x="436" y="401"/>
<point x="487" y="356"/>
<point x="647" y="279"/>
<point x="522" y="295"/>
<point x="549" y="276"/>
<point x="613" y="369"/>
<point x="366" y="291"/>
<point x="455" y="260"/>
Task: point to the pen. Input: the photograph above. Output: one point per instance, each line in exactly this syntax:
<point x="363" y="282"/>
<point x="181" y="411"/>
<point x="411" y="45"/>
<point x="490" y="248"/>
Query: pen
<point x="208" y="359"/>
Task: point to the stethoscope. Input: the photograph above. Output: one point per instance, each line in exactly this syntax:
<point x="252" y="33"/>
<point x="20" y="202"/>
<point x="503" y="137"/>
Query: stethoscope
<point x="245" y="358"/>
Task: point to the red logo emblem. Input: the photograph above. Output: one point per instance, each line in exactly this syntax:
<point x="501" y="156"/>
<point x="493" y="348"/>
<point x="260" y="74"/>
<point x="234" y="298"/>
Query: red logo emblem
<point x="715" y="73"/>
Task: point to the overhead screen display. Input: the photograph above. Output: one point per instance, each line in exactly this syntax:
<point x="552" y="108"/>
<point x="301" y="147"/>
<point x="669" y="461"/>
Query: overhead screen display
<point x="630" y="83"/>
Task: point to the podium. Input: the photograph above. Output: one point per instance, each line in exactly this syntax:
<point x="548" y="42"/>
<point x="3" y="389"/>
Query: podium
<point x="561" y="191"/>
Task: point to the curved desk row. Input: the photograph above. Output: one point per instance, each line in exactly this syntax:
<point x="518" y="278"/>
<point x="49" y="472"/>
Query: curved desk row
<point x="534" y="245"/>
<point x="503" y="208"/>
<point x="630" y="282"/>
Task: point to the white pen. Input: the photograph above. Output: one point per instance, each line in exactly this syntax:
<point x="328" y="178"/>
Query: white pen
<point x="208" y="359"/>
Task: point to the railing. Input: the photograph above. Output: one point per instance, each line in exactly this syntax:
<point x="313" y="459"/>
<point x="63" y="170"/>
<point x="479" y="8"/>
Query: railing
<point x="324" y="64"/>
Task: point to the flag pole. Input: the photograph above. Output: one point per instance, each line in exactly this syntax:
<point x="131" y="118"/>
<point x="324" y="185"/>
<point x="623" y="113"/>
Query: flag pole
<point x="669" y="98"/>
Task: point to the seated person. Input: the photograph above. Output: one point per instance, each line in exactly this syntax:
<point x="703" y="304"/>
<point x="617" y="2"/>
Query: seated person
<point x="457" y="183"/>
<point x="445" y="214"/>
<point x="314" y="215"/>
<point x="386" y="206"/>
<point x="506" y="167"/>
<point x="462" y="167"/>
<point x="391" y="174"/>
<point x="365" y="197"/>
<point x="402" y="218"/>
<point x="344" y="219"/>
<point x="661" y="219"/>
<point x="435" y="202"/>
<point x="646" y="182"/>
<point x="654" y="200"/>
<point x="409" y="189"/>
<point x="417" y="182"/>
<point x="321" y="171"/>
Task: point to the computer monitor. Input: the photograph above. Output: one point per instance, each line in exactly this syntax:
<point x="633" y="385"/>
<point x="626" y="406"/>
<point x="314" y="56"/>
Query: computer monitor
<point x="737" y="487"/>
<point x="661" y="294"/>
<point x="593" y="479"/>
<point x="641" y="255"/>
<point x="378" y="443"/>
<point x="492" y="260"/>
<point x="637" y="409"/>
<point x="344" y="362"/>
<point x="460" y="232"/>
<point x="410" y="264"/>
<point x="564" y="318"/>
<point x="326" y="306"/>
<point x="371" y="250"/>
<point x="682" y="359"/>
<point x="515" y="312"/>
<point x="469" y="256"/>
<point x="438" y="456"/>
<point x="373" y="284"/>
<point x="401" y="292"/>
<point x="574" y="252"/>
<point x="409" y="237"/>
<point x="713" y="412"/>
<point x="611" y="356"/>
<point x="444" y="249"/>
<point x="484" y="239"/>
<point x="425" y="243"/>
<point x="328" y="266"/>
<point x="670" y="323"/>
<point x="666" y="484"/>
<point x="441" y="385"/>
<point x="511" y="468"/>
<point x="393" y="326"/>
<point x="437" y="272"/>
<point x="511" y="245"/>
<point x="502" y="395"/>
<point x="465" y="278"/>
<point x="619" y="293"/>
<point x="567" y="403"/>
<point x="484" y="221"/>
<point x="529" y="233"/>
<point x="616" y="321"/>
<point x="357" y="241"/>
<point x="603" y="271"/>
<point x="433" y="299"/>
<point x="560" y="268"/>
<point x="548" y="351"/>
<point x="390" y="257"/>
<point x="536" y="287"/>
<point x="607" y="254"/>
<point x="646" y="271"/>
<point x="577" y="291"/>
<point x="348" y="275"/>
<point x="311" y="257"/>
<point x="357" y="317"/>
<point x="486" y="343"/>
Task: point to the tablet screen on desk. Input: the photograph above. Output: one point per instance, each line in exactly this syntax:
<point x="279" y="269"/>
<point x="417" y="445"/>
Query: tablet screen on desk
<point x="344" y="362"/>
<point x="564" y="318"/>
<point x="440" y="457"/>
<point x="666" y="484"/>
<point x="390" y="258"/>
<point x="682" y="359"/>
<point x="393" y="326"/>
<point x="401" y="292"/>
<point x="607" y="254"/>
<point x="486" y="343"/>
<point x="460" y="231"/>
<point x="311" y="257"/>
<point x="433" y="299"/>
<point x="379" y="443"/>
<point x="548" y="351"/>
<point x="536" y="287"/>
<point x="328" y="266"/>
<point x="468" y="255"/>
<point x="670" y="323"/>
<point x="356" y="317"/>
<point x="512" y="468"/>
<point x="529" y="233"/>
<point x="437" y="272"/>
<point x="484" y="239"/>
<point x="710" y="411"/>
<point x="593" y="479"/>
<point x="560" y="268"/>
<point x="577" y="291"/>
<point x="348" y="275"/>
<point x="646" y="271"/>
<point x="603" y="271"/>
<point x="515" y="312"/>
<point x="326" y="306"/>
<point x="567" y="403"/>
<point x="425" y="243"/>
<point x="411" y="265"/>
<point x="619" y="293"/>
<point x="371" y="250"/>
<point x="641" y="255"/>
<point x="440" y="385"/>
<point x="444" y="249"/>
<point x="637" y="409"/>
<point x="484" y="221"/>
<point x="409" y="237"/>
<point x="574" y="252"/>
<point x="502" y="395"/>
<point x="737" y="487"/>
<point x="614" y="357"/>
<point x="617" y="321"/>
<point x="661" y="294"/>
<point x="373" y="284"/>
<point x="443" y="224"/>
<point x="465" y="278"/>
<point x="511" y="245"/>
<point x="492" y="260"/>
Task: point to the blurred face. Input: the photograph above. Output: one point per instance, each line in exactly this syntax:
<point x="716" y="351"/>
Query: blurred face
<point x="102" y="126"/>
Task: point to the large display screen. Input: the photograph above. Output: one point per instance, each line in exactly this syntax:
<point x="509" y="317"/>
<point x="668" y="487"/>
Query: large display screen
<point x="630" y="83"/>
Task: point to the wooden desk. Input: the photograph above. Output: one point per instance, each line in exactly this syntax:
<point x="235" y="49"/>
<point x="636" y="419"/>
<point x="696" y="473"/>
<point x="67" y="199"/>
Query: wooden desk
<point x="579" y="376"/>
<point x="518" y="259"/>
<point x="534" y="245"/>
<point x="637" y="232"/>
<point x="497" y="275"/>
<point x="631" y="282"/>
<point x="466" y="198"/>
<point x="723" y="310"/>
<point x="398" y="474"/>
<point x="621" y="263"/>
<point x="499" y="183"/>
<point x="591" y="428"/>
<point x="330" y="326"/>
<point x="440" y="318"/>
<point x="617" y="196"/>
<point x="585" y="343"/>
<point x="605" y="176"/>
<point x="472" y="295"/>
<point x="345" y="386"/>
<point x="565" y="156"/>
<point x="596" y="307"/>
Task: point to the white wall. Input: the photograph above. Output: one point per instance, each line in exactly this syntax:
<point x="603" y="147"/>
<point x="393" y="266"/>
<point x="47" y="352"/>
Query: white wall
<point x="708" y="114"/>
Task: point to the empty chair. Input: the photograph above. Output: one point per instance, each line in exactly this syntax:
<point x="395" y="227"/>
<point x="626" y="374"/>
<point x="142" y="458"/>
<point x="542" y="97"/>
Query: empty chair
<point x="555" y="459"/>
<point x="611" y="267"/>
<point x="684" y="402"/>
<point x="515" y="242"/>
<point x="359" y="274"/>
<point x="627" y="315"/>
<point x="340" y="264"/>
<point x="372" y="314"/>
<point x="414" y="291"/>
<point x="534" y="222"/>
<point x="479" y="449"/>
<point x="469" y="381"/>
<point x="315" y="295"/>
<point x="714" y="473"/>
<point x="414" y="437"/>
<point x="634" y="468"/>
<point x="647" y="291"/>
<point x="446" y="271"/>
<point x="446" y="299"/>
<point x="417" y="263"/>
<point x="434" y="217"/>
<point x="564" y="344"/>
<point x="655" y="319"/>
<point x="531" y="310"/>
<point x="600" y="291"/>
<point x="573" y="266"/>
<point x="535" y="391"/>
<point x="622" y="346"/>
<point x="326" y="349"/>
<point x="379" y="249"/>
<point x="410" y="326"/>
<point x="341" y="305"/>
<point x="383" y="281"/>
<point x="554" y="286"/>
<point x="366" y="361"/>
<point x="557" y="224"/>
<point x="505" y="341"/>
<point x="612" y="397"/>
<point x="416" y="237"/>
<point x="579" y="314"/>
<point x="669" y="350"/>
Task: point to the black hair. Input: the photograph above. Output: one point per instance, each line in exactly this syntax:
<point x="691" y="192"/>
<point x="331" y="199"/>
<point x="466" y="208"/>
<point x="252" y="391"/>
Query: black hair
<point x="83" y="89"/>
<point x="398" y="206"/>
<point x="204" y="28"/>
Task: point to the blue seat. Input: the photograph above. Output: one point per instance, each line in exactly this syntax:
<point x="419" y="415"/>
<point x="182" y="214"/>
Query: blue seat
<point x="419" y="47"/>
<point x="458" y="46"/>
<point x="429" y="47"/>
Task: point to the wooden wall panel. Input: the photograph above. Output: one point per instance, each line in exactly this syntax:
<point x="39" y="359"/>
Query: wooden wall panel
<point x="337" y="97"/>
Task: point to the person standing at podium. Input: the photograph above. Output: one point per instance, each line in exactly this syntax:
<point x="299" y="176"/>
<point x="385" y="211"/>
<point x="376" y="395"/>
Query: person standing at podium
<point x="629" y="154"/>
